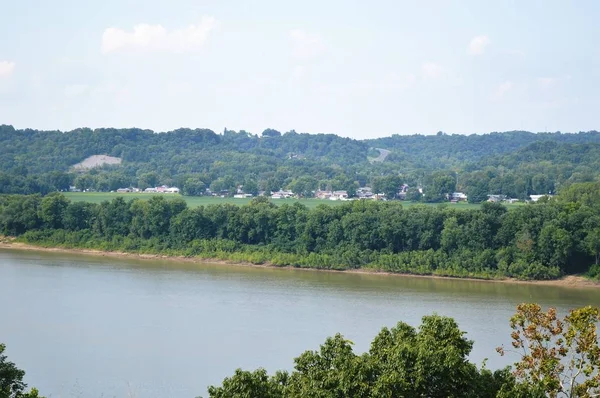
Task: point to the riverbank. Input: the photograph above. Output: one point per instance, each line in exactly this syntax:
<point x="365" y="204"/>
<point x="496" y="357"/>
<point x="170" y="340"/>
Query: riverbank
<point x="573" y="281"/>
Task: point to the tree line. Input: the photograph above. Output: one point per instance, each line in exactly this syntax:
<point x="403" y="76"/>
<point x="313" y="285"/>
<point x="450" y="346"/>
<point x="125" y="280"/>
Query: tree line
<point x="537" y="241"/>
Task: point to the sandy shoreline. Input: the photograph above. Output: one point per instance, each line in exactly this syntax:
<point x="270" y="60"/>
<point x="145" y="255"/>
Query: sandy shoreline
<point x="567" y="281"/>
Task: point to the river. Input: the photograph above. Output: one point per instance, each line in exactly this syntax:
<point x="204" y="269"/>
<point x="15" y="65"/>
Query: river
<point x="93" y="326"/>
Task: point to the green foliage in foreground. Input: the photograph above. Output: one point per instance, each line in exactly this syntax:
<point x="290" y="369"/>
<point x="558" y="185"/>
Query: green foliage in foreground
<point x="556" y="358"/>
<point x="542" y="241"/>
<point x="11" y="380"/>
<point x="402" y="362"/>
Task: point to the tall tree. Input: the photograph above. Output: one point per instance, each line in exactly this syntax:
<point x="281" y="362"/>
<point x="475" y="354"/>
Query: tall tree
<point x="558" y="356"/>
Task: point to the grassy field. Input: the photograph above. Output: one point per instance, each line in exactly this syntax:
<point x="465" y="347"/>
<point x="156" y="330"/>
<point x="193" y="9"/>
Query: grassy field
<point x="194" y="201"/>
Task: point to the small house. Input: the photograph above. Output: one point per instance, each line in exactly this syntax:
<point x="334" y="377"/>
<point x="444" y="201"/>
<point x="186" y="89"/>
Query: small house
<point x="339" y="195"/>
<point x="458" y="197"/>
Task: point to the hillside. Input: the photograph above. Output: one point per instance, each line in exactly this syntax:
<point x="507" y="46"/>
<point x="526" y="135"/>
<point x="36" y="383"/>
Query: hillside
<point x="445" y="149"/>
<point x="514" y="163"/>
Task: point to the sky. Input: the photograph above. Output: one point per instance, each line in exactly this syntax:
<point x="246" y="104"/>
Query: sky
<point x="359" y="69"/>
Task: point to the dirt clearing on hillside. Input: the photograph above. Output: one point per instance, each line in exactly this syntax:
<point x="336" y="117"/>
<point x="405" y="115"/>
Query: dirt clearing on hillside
<point x="96" y="161"/>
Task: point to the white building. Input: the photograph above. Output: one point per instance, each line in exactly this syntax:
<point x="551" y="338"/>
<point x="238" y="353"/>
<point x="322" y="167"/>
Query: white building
<point x="535" y="198"/>
<point x="339" y="195"/>
<point x="282" y="194"/>
<point x="458" y="197"/>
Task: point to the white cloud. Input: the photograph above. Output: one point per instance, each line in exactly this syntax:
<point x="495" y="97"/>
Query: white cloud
<point x="546" y="82"/>
<point x="432" y="71"/>
<point x="478" y="44"/>
<point x="6" y="68"/>
<point x="145" y="37"/>
<point x="502" y="90"/>
<point x="306" y="45"/>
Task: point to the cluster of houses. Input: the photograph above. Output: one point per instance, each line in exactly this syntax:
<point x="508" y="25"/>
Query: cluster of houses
<point x="501" y="198"/>
<point x="331" y="195"/>
<point x="282" y="194"/>
<point x="361" y="193"/>
<point x="160" y="189"/>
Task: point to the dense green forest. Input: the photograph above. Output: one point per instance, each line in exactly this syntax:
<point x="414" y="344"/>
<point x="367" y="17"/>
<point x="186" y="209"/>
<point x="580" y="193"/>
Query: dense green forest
<point x="516" y="164"/>
<point x="536" y="241"/>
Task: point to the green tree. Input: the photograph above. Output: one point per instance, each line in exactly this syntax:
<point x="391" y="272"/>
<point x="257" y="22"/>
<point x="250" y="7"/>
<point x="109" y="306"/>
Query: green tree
<point x="430" y="362"/>
<point x="388" y="185"/>
<point x="59" y="180"/>
<point x="193" y="187"/>
<point x="304" y="186"/>
<point x="245" y="384"/>
<point x="451" y="235"/>
<point x="592" y="243"/>
<point x="439" y="188"/>
<point x="52" y="210"/>
<point x="11" y="379"/>
<point x="555" y="245"/>
<point x="272" y="185"/>
<point x="414" y="195"/>
<point x="333" y="371"/>
<point x="271" y="133"/>
<point x="402" y="362"/>
<point x="223" y="184"/>
<point x="78" y="216"/>
<point x="587" y="193"/>
<point x="148" y="180"/>
<point x="113" y="218"/>
<point x="250" y="187"/>
<point x="477" y="193"/>
<point x="84" y="182"/>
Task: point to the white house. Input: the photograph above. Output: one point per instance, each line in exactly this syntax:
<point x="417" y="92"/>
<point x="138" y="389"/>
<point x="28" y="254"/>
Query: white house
<point x="535" y="198"/>
<point x="458" y="197"/>
<point x="323" y="194"/>
<point x="281" y="194"/>
<point x="339" y="195"/>
<point x="364" y="193"/>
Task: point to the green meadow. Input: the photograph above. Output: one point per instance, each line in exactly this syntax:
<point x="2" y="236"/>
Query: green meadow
<point x="194" y="201"/>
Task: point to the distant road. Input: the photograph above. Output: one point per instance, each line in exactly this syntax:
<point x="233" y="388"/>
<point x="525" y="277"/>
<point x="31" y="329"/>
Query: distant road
<point x="383" y="153"/>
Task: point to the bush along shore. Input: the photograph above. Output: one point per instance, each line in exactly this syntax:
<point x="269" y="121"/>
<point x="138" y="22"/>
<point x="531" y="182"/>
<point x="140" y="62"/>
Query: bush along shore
<point x="534" y="242"/>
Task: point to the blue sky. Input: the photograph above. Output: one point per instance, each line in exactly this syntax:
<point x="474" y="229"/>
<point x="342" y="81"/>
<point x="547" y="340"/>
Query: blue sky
<point x="354" y="68"/>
